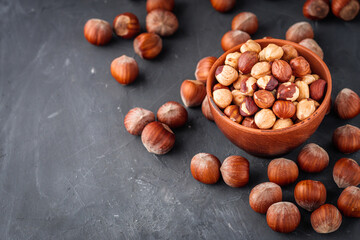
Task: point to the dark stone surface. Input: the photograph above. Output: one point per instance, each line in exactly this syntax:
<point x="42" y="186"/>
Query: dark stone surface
<point x="68" y="168"/>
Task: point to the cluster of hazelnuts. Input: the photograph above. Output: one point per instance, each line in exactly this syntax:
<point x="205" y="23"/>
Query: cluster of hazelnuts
<point x="283" y="216"/>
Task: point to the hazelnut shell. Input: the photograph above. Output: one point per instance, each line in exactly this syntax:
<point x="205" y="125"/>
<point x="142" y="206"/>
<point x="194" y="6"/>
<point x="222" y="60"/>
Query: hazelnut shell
<point x="205" y="168"/>
<point x="235" y="171"/>
<point x="157" y="138"/>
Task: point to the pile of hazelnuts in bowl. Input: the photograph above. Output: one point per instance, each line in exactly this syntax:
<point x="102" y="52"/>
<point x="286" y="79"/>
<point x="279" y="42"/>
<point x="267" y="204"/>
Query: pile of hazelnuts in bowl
<point x="267" y="88"/>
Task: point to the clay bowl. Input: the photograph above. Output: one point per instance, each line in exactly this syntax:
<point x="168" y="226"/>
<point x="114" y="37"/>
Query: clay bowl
<point x="269" y="143"/>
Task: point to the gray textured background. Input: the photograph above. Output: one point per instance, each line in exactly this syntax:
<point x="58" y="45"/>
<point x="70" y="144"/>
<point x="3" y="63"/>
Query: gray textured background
<point x="68" y="168"/>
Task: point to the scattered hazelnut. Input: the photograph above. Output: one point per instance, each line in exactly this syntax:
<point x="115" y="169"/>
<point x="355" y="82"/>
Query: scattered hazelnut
<point x="205" y="108"/>
<point x="299" y="31"/>
<point x="305" y="108"/>
<point x="232" y="59"/>
<point x="161" y="22"/>
<point x="347" y="10"/>
<point x="251" y="46"/>
<point x="313" y="158"/>
<point x="157" y="138"/>
<point x="288" y="91"/>
<point x="347" y="104"/>
<point x="267" y="83"/>
<point x="97" y="31"/>
<point x="124" y="69"/>
<point x="264" y="99"/>
<point x="235" y="171"/>
<point x="316" y="9"/>
<point x="326" y="219"/>
<point x="311" y="44"/>
<point x="203" y="68"/>
<point x="317" y="90"/>
<point x="233" y="38"/>
<point x="347" y="138"/>
<point x="248" y="107"/>
<point x="147" y="45"/>
<point x="300" y="66"/>
<point x="283" y="123"/>
<point x="126" y="25"/>
<point x="310" y="194"/>
<point x="261" y="69"/>
<point x="192" y="93"/>
<point x="237" y="83"/>
<point x="284" y="109"/>
<point x="289" y="53"/>
<point x="226" y="75"/>
<point x="222" y="98"/>
<point x="282" y="171"/>
<point x="172" y="114"/>
<point x="245" y="21"/>
<point x="271" y="53"/>
<point x="304" y="91"/>
<point x="248" y="86"/>
<point x="349" y="202"/>
<point x="162" y="4"/>
<point x="246" y="61"/>
<point x="249" y="122"/>
<point x="205" y="168"/>
<point x="233" y="113"/>
<point x="265" y="119"/>
<point x="238" y="97"/>
<point x="281" y="70"/>
<point x="283" y="217"/>
<point x="136" y="119"/>
<point x="263" y="195"/>
<point x="346" y="173"/>
<point x="223" y="5"/>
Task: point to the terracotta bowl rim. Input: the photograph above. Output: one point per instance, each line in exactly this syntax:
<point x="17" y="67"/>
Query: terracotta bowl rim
<point x="296" y="127"/>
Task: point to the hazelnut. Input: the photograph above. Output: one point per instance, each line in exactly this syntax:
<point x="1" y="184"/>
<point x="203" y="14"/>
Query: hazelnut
<point x="289" y="53"/>
<point x="283" y="123"/>
<point x="245" y="21"/>
<point x="347" y="104"/>
<point x="346" y="173"/>
<point x="226" y="75"/>
<point x="261" y="69"/>
<point x="233" y="38"/>
<point x="267" y="83"/>
<point x="203" y="68"/>
<point x="304" y="91"/>
<point x="288" y="91"/>
<point x="326" y="219"/>
<point x="311" y="44"/>
<point x="349" y="202"/>
<point x="309" y="78"/>
<point x="235" y="171"/>
<point x="223" y="5"/>
<point x="97" y="31"/>
<point x="148" y="45"/>
<point x="271" y="53"/>
<point x="305" y="108"/>
<point x="161" y="22"/>
<point x="233" y="113"/>
<point x="283" y="217"/>
<point x="237" y="83"/>
<point x="246" y="61"/>
<point x="313" y="158"/>
<point x="238" y="97"/>
<point x="249" y="122"/>
<point x="250" y="46"/>
<point x="248" y="107"/>
<point x="232" y="59"/>
<point x="281" y="70"/>
<point x="126" y="25"/>
<point x="300" y="66"/>
<point x="192" y="93"/>
<point x="219" y="86"/>
<point x="136" y="119"/>
<point x="347" y="10"/>
<point x="317" y="90"/>
<point x="265" y="119"/>
<point x="172" y="114"/>
<point x="248" y="86"/>
<point x="292" y="78"/>
<point x="310" y="194"/>
<point x="299" y="31"/>
<point x="316" y="9"/>
<point x="222" y="98"/>
<point x="205" y="108"/>
<point x="347" y="138"/>
<point x="205" y="168"/>
<point x="263" y="195"/>
<point x="162" y="4"/>
<point x="284" y="109"/>
<point x="157" y="138"/>
<point x="264" y="99"/>
<point x="282" y="171"/>
<point x="124" y="69"/>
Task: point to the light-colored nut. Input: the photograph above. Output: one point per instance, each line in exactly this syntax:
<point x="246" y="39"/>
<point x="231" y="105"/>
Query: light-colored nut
<point x="261" y="69"/>
<point x="289" y="53"/>
<point x="281" y="70"/>
<point x="222" y="97"/>
<point x="309" y="79"/>
<point x="262" y="56"/>
<point x="304" y="91"/>
<point x="219" y="86"/>
<point x="248" y="107"/>
<point x="232" y="59"/>
<point x="267" y="83"/>
<point x="265" y="119"/>
<point x="272" y="52"/>
<point x="300" y="66"/>
<point x="283" y="123"/>
<point x="226" y="75"/>
<point x="299" y="31"/>
<point x="233" y="113"/>
<point x="248" y="86"/>
<point x="288" y="91"/>
<point x="264" y="99"/>
<point x="250" y="45"/>
<point x="305" y="108"/>
<point x="237" y="83"/>
<point x="292" y="78"/>
<point x="246" y="61"/>
<point x="313" y="46"/>
<point x="238" y="97"/>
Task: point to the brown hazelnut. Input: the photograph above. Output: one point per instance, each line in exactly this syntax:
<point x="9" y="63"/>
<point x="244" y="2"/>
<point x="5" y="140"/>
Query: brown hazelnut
<point x="313" y="158"/>
<point x="233" y="113"/>
<point x="283" y="217"/>
<point x="172" y="114"/>
<point x="192" y="93"/>
<point x="126" y="25"/>
<point x="349" y="202"/>
<point x="248" y="86"/>
<point x="282" y="171"/>
<point x="248" y="107"/>
<point x="238" y="97"/>
<point x="161" y="22"/>
<point x="245" y="21"/>
<point x="223" y="5"/>
<point x="326" y="219"/>
<point x="265" y="119"/>
<point x="97" y="31"/>
<point x="299" y="31"/>
<point x="205" y="168"/>
<point x="261" y="69"/>
<point x="310" y="194"/>
<point x="232" y="59"/>
<point x="304" y="91"/>
<point x="136" y="119"/>
<point x="222" y="97"/>
<point x="347" y="104"/>
<point x="251" y="46"/>
<point x="237" y="83"/>
<point x="148" y="45"/>
<point x="219" y="86"/>
<point x="283" y="123"/>
<point x="300" y="66"/>
<point x="289" y="53"/>
<point x="311" y="44"/>
<point x="263" y="195"/>
<point x="305" y="108"/>
<point x="346" y="173"/>
<point x="157" y="138"/>
<point x="281" y="70"/>
<point x="264" y="99"/>
<point x="203" y="68"/>
<point x="235" y="171"/>
<point x="267" y="83"/>
<point x="316" y="9"/>
<point x="249" y="122"/>
<point x="271" y="53"/>
<point x="246" y="61"/>
<point x="347" y="138"/>
<point x="205" y="108"/>
<point x="162" y="4"/>
<point x="347" y="10"/>
<point x="233" y="38"/>
<point x="124" y="69"/>
<point x="226" y="75"/>
<point x="317" y="90"/>
<point x="284" y="109"/>
<point x="288" y="91"/>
